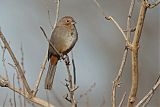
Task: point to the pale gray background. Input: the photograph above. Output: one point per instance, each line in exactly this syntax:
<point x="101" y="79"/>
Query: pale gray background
<point x="97" y="54"/>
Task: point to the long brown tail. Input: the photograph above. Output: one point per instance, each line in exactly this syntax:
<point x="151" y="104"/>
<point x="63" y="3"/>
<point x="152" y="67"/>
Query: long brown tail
<point x="51" y="72"/>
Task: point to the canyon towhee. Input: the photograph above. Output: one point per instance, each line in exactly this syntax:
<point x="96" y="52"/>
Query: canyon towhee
<point x="63" y="38"/>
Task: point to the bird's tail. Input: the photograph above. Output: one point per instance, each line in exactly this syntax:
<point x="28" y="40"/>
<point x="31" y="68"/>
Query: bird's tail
<point x="51" y="72"/>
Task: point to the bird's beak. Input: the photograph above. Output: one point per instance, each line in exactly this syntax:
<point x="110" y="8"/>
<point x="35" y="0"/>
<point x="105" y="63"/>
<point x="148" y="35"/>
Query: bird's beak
<point x="73" y="22"/>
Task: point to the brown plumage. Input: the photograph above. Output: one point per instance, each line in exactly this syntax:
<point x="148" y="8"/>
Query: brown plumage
<point x="63" y="37"/>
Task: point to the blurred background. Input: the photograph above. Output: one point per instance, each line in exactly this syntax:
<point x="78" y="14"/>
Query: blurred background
<point x="97" y="54"/>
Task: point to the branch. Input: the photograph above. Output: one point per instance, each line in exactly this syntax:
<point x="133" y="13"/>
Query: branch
<point x="116" y="82"/>
<point x="113" y="20"/>
<point x="71" y="86"/>
<point x="50" y="43"/>
<point x="154" y="4"/>
<point x="74" y="68"/>
<point x="5" y="83"/>
<point x="40" y="74"/>
<point x="46" y="55"/>
<point x="150" y="93"/>
<point x="122" y="100"/>
<point x="57" y="13"/>
<point x="135" y="46"/>
<point x="20" y="71"/>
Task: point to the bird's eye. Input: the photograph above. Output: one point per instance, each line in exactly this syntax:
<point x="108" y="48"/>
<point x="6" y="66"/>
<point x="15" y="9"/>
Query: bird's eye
<point x="67" y="20"/>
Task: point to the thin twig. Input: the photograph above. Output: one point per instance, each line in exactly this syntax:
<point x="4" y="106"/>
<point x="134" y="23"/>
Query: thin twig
<point x="14" y="95"/>
<point x="40" y="74"/>
<point x="134" y="54"/>
<point x="10" y="101"/>
<point x="116" y="82"/>
<point x="23" y="87"/>
<point x="20" y="71"/>
<point x="154" y="4"/>
<point x="50" y="43"/>
<point x="5" y="83"/>
<point x="4" y="63"/>
<point x="122" y="100"/>
<point x="150" y="94"/>
<point x="74" y="68"/>
<point x="47" y="98"/>
<point x="46" y="55"/>
<point x="57" y="12"/>
<point x="49" y="18"/>
<point x="87" y="91"/>
<point x="113" y="20"/>
<point x="4" y="102"/>
<point x="71" y="86"/>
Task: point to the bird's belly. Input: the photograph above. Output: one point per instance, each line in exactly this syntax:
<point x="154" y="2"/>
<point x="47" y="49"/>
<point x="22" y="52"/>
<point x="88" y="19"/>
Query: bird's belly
<point x="66" y="43"/>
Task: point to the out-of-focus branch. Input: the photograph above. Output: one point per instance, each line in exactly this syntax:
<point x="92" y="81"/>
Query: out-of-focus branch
<point x="57" y="13"/>
<point x="148" y="96"/>
<point x="4" y="102"/>
<point x="134" y="53"/>
<point x="20" y="71"/>
<point x="5" y="83"/>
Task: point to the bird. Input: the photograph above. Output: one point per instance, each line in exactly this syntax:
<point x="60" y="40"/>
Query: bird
<point x="63" y="38"/>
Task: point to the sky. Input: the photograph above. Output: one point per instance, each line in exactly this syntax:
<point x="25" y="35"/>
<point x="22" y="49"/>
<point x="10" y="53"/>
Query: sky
<point x="97" y="53"/>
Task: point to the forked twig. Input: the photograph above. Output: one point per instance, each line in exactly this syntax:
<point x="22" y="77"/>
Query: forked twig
<point x="20" y="71"/>
<point x="5" y="83"/>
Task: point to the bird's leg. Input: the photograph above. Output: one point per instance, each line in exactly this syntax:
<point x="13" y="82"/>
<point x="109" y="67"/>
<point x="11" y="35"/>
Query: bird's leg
<point x="66" y="59"/>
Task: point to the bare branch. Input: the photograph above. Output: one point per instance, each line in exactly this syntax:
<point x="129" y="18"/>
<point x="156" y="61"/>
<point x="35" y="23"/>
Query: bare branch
<point x="135" y="47"/>
<point x="71" y="86"/>
<point x="14" y="95"/>
<point x="4" y="62"/>
<point x="40" y="74"/>
<point x="57" y="12"/>
<point x="154" y="4"/>
<point x="122" y="100"/>
<point x="49" y="17"/>
<point x="74" y="68"/>
<point x="10" y="101"/>
<point x="46" y="55"/>
<point x="4" y="102"/>
<point x="50" y="43"/>
<point x="148" y="96"/>
<point x="5" y="83"/>
<point x="113" y="20"/>
<point x="88" y="90"/>
<point x="116" y="82"/>
<point x="20" y="71"/>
